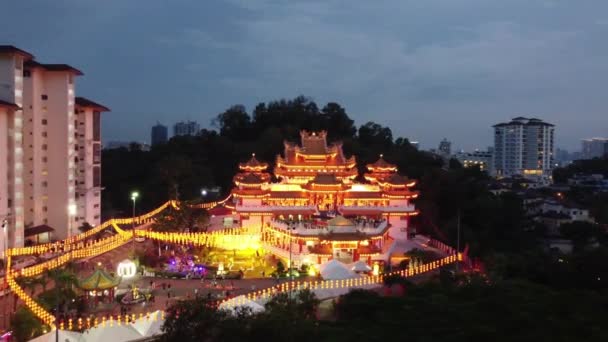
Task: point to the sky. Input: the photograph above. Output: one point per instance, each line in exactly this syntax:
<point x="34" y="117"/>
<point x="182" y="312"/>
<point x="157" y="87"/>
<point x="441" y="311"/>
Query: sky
<point x="428" y="69"/>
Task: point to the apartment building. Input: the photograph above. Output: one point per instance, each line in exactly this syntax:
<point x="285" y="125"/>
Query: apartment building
<point x="43" y="148"/>
<point x="88" y="162"/>
<point x="12" y="62"/>
<point x="524" y="147"/>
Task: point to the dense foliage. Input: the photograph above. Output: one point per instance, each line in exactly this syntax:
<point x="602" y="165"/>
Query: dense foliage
<point x="469" y="309"/>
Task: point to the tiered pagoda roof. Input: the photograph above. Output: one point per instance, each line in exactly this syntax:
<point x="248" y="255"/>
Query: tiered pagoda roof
<point x="253" y="165"/>
<point x="252" y="177"/>
<point x="314" y="157"/>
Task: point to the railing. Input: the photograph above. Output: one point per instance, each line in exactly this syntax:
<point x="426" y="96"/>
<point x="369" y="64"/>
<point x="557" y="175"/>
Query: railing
<point x="383" y="208"/>
<point x="303" y="230"/>
<point x="271" y="208"/>
<point x="350" y="283"/>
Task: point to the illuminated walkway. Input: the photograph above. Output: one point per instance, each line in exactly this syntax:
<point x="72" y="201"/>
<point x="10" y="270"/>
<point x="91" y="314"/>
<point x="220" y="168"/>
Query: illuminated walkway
<point x="80" y="246"/>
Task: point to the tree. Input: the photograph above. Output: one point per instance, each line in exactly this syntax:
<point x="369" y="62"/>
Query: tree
<point x="234" y="123"/>
<point x="25" y="326"/>
<point x="579" y="232"/>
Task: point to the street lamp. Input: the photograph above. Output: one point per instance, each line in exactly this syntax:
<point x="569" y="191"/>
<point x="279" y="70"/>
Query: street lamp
<point x="134" y="196"/>
<point x="4" y="237"/>
<point x="72" y="211"/>
<point x="204" y="192"/>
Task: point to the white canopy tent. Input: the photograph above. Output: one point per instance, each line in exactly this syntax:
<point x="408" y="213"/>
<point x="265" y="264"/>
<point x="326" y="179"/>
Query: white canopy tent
<point x="360" y="266"/>
<point x="116" y="333"/>
<point x="335" y="270"/>
<point x="149" y="326"/>
<point x="241" y="300"/>
<point x="64" y="336"/>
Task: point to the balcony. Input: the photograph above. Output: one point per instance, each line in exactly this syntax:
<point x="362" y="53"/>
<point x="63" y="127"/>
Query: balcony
<point x="275" y="208"/>
<point x="310" y="229"/>
<point x="346" y="209"/>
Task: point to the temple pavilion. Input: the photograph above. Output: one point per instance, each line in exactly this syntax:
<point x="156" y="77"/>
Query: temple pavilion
<point x="317" y="210"/>
<point x="99" y="284"/>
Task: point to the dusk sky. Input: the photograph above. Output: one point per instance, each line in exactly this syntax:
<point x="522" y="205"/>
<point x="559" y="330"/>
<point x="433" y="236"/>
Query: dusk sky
<point x="429" y="69"/>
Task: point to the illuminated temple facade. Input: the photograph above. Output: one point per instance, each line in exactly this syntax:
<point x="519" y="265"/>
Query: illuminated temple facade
<point x="315" y="209"/>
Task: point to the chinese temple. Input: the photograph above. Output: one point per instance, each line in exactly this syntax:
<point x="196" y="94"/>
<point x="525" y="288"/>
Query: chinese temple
<point x="313" y="209"/>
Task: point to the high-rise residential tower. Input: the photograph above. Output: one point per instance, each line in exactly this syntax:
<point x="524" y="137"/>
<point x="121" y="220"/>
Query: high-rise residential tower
<point x="159" y="134"/>
<point x="186" y="128"/>
<point x="524" y="147"/>
<point x="593" y="148"/>
<point x="48" y="143"/>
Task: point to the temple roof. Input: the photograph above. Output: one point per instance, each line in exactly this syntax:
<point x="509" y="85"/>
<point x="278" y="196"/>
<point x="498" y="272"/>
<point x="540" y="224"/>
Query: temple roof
<point x="395" y="179"/>
<point x="381" y="165"/>
<point x="99" y="280"/>
<point x="253" y="164"/>
<point x="313" y="143"/>
<point x="251" y="178"/>
<point x="340" y="221"/>
<point x="326" y="179"/>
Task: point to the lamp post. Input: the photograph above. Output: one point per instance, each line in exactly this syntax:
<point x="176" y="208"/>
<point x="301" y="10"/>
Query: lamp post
<point x="4" y="237"/>
<point x="134" y="196"/>
<point x="72" y="211"/>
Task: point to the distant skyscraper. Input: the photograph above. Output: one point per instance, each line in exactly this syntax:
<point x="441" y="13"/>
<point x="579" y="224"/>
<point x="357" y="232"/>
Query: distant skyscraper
<point x="186" y="128"/>
<point x="593" y="148"/>
<point x="445" y="147"/>
<point x="159" y="134"/>
<point x="523" y="147"/>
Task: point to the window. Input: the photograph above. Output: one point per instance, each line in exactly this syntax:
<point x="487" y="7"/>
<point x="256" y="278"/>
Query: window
<point x="45" y="184"/>
<point x="44" y="134"/>
<point x="96" y="176"/>
<point x="96" y="205"/>
<point x="27" y="73"/>
<point x="97" y="153"/>
<point x="44" y="97"/>
<point x="44" y="147"/>
<point x="44" y="160"/>
<point x="96" y="126"/>
<point x="45" y="209"/>
<point x="44" y="122"/>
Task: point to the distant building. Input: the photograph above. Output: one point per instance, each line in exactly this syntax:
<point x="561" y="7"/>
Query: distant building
<point x="481" y="159"/>
<point x="524" y="147"/>
<point x="117" y="144"/>
<point x="593" y="148"/>
<point x="445" y="147"/>
<point x="415" y="144"/>
<point x="127" y="144"/>
<point x="159" y="134"/>
<point x="186" y="128"/>
<point x="606" y="149"/>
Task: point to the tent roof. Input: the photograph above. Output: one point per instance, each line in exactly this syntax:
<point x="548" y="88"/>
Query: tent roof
<point x="360" y="266"/>
<point x="231" y="304"/>
<point x="99" y="280"/>
<point x="149" y="327"/>
<point x="334" y="269"/>
<point x="64" y="336"/>
<point x="115" y="333"/>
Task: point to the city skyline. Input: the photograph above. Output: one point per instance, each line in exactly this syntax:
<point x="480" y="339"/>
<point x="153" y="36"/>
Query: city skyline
<point x="479" y="63"/>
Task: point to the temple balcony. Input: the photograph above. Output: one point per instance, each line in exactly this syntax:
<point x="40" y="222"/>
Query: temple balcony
<point x="365" y="209"/>
<point x="295" y="209"/>
<point x="310" y="229"/>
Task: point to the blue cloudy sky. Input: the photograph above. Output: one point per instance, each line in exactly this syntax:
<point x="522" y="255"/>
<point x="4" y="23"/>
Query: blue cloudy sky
<point x="427" y="68"/>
